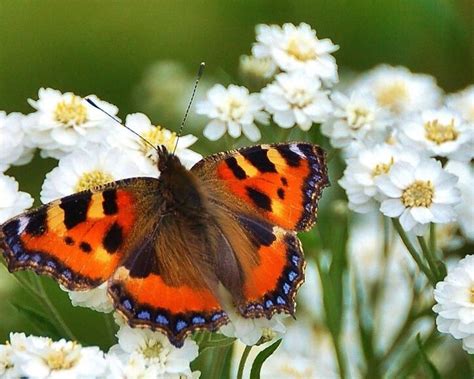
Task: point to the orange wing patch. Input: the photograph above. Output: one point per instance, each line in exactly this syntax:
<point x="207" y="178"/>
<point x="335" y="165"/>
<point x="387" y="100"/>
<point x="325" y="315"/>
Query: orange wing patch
<point x="282" y="182"/>
<point x="271" y="283"/>
<point x="77" y="240"/>
<point x="175" y="310"/>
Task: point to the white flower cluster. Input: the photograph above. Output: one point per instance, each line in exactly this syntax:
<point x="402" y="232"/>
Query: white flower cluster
<point x="408" y="151"/>
<point x="397" y="135"/>
<point x="298" y="67"/>
<point x="138" y="354"/>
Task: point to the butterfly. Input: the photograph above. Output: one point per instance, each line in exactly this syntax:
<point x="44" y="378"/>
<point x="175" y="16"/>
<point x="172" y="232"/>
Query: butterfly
<point x="167" y="245"/>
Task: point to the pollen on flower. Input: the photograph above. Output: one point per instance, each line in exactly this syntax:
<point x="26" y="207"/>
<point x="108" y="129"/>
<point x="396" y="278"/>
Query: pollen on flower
<point x="358" y="117"/>
<point x="300" y="50"/>
<point x="61" y="359"/>
<point x="71" y="112"/>
<point x="382" y="168"/>
<point x="392" y="94"/>
<point x="93" y="179"/>
<point x="418" y="194"/>
<point x="440" y="133"/>
<point x="152" y="350"/>
<point x="157" y="136"/>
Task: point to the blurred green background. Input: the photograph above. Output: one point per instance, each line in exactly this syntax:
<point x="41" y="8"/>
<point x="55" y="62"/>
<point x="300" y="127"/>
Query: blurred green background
<point x="104" y="47"/>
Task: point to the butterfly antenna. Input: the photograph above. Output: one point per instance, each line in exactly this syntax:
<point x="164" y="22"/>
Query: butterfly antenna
<point x="198" y="77"/>
<point x="120" y="123"/>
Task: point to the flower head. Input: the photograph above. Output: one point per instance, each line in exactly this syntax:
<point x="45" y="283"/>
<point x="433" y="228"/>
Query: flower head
<point x="399" y="90"/>
<point x="232" y="109"/>
<point x="253" y="330"/>
<point x="84" y="169"/>
<point x="96" y="299"/>
<point x="40" y="357"/>
<point x="144" y="154"/>
<point x="153" y="351"/>
<point x="419" y="193"/>
<point x="362" y="171"/>
<point x="296" y="99"/>
<point x="455" y="303"/>
<point x="12" y="201"/>
<point x="357" y="117"/>
<point x="297" y="48"/>
<point x="256" y="72"/>
<point x="13" y="150"/>
<point x="441" y="133"/>
<point x="62" y="122"/>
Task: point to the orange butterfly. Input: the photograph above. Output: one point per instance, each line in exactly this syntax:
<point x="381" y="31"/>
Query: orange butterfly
<point x="165" y="245"/>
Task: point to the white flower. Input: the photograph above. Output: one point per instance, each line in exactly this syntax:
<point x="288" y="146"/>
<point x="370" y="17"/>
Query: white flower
<point x="441" y="133"/>
<point x="465" y="211"/>
<point x="463" y="103"/>
<point x="96" y="299"/>
<point x="455" y="303"/>
<point x="363" y="170"/>
<point x="232" y="109"/>
<point x="65" y="121"/>
<point x="84" y="169"/>
<point x="12" y="141"/>
<point x="134" y="367"/>
<point x="154" y="351"/>
<point x="12" y="201"/>
<point x="8" y="370"/>
<point x="40" y="357"/>
<point x="356" y="118"/>
<point x="296" y="98"/>
<point x="419" y="193"/>
<point x="256" y="71"/>
<point x="251" y="330"/>
<point x="145" y="155"/>
<point x="297" y="48"/>
<point x="399" y="90"/>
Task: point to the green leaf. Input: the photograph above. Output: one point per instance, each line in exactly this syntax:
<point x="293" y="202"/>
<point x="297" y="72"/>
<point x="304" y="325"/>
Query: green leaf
<point x="38" y="320"/>
<point x="429" y="366"/>
<point x="261" y="358"/>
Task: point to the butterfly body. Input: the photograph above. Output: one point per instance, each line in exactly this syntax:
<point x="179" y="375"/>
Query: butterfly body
<point x="168" y="246"/>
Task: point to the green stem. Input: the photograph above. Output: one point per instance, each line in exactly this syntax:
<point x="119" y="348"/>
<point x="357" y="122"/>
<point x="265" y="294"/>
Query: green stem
<point x="340" y="358"/>
<point x="429" y="256"/>
<point x="53" y="310"/>
<point x="433" y="237"/>
<point x="411" y="249"/>
<point x="243" y="359"/>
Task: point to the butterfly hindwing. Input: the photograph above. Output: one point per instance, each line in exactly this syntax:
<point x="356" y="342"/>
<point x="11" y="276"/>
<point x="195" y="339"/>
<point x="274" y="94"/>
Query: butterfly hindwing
<point x="168" y="282"/>
<point x="261" y="196"/>
<point x="281" y="182"/>
<point x="80" y="239"/>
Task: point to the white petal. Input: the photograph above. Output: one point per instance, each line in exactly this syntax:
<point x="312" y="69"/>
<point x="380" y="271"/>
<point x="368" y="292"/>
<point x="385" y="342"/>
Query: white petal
<point x="234" y="129"/>
<point x="422" y="215"/>
<point x="214" y="130"/>
<point x="392" y="207"/>
<point x="251" y="132"/>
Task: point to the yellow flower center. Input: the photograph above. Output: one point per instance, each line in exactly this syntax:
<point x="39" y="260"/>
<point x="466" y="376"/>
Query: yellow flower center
<point x="392" y="95"/>
<point x="382" y="168"/>
<point x="93" y="179"/>
<point x="153" y="349"/>
<point x="61" y="360"/>
<point x="300" y="50"/>
<point x="71" y="113"/>
<point x="472" y="294"/>
<point x="358" y="117"/>
<point x="157" y="136"/>
<point x="418" y="194"/>
<point x="440" y="133"/>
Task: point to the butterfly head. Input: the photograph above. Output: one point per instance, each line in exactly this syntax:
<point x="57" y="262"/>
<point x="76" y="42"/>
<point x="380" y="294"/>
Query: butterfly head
<point x="166" y="160"/>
